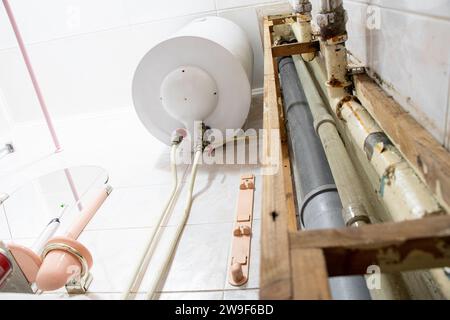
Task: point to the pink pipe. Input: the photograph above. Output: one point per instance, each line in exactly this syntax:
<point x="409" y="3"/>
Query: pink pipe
<point x="59" y="266"/>
<point x="73" y="188"/>
<point x="36" y="86"/>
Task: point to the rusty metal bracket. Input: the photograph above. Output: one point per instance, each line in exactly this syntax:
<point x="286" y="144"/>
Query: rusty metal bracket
<point x="242" y="233"/>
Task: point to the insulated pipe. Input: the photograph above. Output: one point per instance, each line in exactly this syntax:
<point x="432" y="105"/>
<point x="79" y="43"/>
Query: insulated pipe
<point x="320" y="206"/>
<point x="351" y="192"/>
<point x="302" y="27"/>
<point x="404" y="194"/>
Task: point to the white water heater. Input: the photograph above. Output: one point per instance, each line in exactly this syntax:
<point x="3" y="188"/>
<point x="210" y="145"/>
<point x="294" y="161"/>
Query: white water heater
<point x="202" y="73"/>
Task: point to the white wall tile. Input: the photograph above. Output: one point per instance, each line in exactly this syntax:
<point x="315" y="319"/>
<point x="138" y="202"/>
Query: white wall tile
<point x="248" y="20"/>
<point x="407" y="53"/>
<point x="227" y="4"/>
<point x="437" y="8"/>
<point x="7" y="39"/>
<point x="141" y="11"/>
<point x="49" y="19"/>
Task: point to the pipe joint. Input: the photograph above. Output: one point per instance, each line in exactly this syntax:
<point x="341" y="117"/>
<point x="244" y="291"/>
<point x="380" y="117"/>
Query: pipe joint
<point x="303" y="7"/>
<point x="342" y="103"/>
<point x="326" y="118"/>
<point x="312" y="195"/>
<point x="355" y="214"/>
<point x="332" y="24"/>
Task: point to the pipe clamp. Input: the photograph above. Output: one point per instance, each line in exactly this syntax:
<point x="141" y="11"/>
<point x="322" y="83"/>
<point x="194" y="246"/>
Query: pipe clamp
<point x="75" y="285"/>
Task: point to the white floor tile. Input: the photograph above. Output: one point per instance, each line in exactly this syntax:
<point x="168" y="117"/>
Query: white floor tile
<point x="207" y="295"/>
<point x="132" y="208"/>
<point x="200" y="260"/>
<point x="239" y="295"/>
<point x="4" y="229"/>
<point x="115" y="252"/>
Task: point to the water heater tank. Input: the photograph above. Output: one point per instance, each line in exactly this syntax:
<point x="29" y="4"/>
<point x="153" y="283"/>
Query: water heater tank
<point x="202" y="73"/>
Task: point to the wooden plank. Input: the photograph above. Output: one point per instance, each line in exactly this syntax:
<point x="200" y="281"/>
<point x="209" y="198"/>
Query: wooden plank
<point x="427" y="156"/>
<point x="291" y="49"/>
<point x="275" y="255"/>
<point x="309" y="273"/>
<point x="289" y="189"/>
<point x="288" y="181"/>
<point x="393" y="247"/>
<point x="282" y="19"/>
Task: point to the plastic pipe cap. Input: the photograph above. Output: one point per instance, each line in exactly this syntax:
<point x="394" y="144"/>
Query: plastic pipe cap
<point x="189" y="94"/>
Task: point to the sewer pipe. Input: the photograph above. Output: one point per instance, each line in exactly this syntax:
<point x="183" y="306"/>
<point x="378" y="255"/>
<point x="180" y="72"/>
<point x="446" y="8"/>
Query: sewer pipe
<point x="404" y="195"/>
<point x="351" y="192"/>
<point x="318" y="198"/>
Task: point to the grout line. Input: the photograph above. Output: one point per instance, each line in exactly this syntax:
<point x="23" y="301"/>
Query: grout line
<point x="7" y="220"/>
<point x="129" y="25"/>
<point x="151" y="227"/>
<point x="402" y="10"/>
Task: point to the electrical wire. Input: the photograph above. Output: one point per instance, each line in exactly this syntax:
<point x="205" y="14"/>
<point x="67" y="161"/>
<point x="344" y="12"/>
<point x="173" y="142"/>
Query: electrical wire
<point x="148" y="248"/>
<point x="180" y="228"/>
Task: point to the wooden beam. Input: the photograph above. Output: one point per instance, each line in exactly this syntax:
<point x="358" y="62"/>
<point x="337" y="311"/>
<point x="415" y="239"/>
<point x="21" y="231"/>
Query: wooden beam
<point x="282" y="19"/>
<point x="275" y="254"/>
<point x="309" y="273"/>
<point x="393" y="247"/>
<point x="291" y="49"/>
<point x="428" y="157"/>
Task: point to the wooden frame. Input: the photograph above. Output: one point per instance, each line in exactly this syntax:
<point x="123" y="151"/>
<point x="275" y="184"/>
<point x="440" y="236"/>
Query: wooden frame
<point x="297" y="264"/>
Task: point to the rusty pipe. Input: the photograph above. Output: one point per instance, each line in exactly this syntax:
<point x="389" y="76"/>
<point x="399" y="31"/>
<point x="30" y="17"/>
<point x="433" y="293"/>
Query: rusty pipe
<point x="402" y="191"/>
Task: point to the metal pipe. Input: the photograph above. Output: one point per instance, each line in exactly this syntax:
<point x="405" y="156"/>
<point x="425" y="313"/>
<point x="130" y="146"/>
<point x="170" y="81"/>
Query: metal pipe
<point x="302" y="27"/>
<point x="319" y="203"/>
<point x="354" y="200"/>
<point x="400" y="188"/>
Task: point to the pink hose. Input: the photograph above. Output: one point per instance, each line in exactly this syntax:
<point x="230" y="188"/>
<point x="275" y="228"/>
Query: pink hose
<point x="36" y="86"/>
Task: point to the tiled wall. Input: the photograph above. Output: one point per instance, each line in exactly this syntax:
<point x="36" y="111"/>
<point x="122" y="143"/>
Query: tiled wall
<point x="4" y="123"/>
<point x="85" y="51"/>
<point x="408" y="46"/>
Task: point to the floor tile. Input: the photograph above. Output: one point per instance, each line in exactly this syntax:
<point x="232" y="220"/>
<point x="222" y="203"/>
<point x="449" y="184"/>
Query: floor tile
<point x="115" y="253"/>
<point x="206" y="295"/>
<point x="4" y="229"/>
<point x="200" y="260"/>
<point x="239" y="295"/>
<point x="132" y="208"/>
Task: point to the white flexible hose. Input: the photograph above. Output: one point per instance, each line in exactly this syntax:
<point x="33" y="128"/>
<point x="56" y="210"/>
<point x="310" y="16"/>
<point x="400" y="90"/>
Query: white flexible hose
<point x="219" y="144"/>
<point x="146" y="252"/>
<point x="180" y="228"/>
